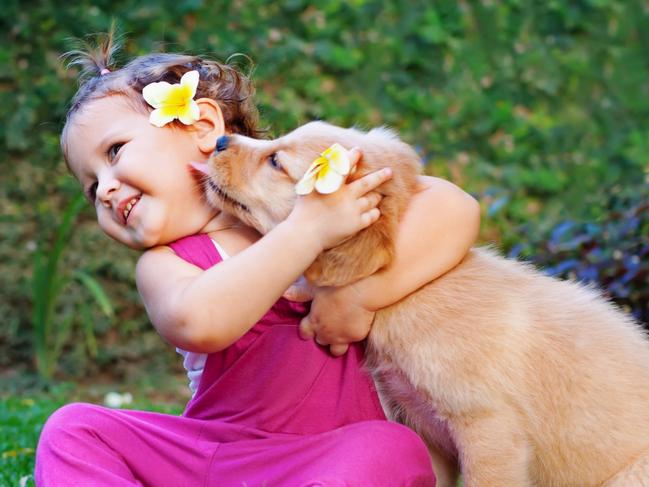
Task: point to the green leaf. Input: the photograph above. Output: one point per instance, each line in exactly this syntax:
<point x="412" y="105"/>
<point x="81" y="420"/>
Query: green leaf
<point x="96" y="290"/>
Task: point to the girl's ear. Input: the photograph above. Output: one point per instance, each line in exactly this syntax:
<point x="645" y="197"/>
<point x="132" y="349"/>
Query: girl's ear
<point x="209" y="126"/>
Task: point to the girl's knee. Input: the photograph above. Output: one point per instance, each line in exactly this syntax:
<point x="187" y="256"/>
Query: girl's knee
<point x="75" y="443"/>
<point x="413" y="463"/>
<point x="389" y="451"/>
<point x="69" y="422"/>
<point x="390" y="439"/>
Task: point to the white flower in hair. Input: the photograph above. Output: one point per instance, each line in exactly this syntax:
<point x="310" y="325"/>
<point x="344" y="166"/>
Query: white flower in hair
<point x="173" y="101"/>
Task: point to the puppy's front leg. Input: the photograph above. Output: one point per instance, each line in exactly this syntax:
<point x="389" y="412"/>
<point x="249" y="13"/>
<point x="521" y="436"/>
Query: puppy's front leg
<point x="493" y="451"/>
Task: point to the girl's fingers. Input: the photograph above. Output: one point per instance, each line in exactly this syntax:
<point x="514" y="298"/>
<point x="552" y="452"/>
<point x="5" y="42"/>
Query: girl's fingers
<point x="370" y="200"/>
<point x="370" y="217"/>
<point x="305" y="329"/>
<point x="354" y="156"/>
<point x="370" y="181"/>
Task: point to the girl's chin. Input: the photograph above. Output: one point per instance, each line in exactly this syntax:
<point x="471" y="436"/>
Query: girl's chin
<point x="129" y="242"/>
<point x="145" y="243"/>
<point x="139" y="245"/>
<point x="133" y="240"/>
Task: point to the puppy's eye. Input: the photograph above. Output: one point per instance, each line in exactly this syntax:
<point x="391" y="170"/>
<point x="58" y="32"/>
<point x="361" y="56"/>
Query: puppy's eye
<point x="274" y="163"/>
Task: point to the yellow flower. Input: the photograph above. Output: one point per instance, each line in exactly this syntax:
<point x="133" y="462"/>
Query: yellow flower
<point x="327" y="173"/>
<point x="173" y="101"/>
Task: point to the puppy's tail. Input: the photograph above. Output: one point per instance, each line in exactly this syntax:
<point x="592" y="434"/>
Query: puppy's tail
<point x="634" y="475"/>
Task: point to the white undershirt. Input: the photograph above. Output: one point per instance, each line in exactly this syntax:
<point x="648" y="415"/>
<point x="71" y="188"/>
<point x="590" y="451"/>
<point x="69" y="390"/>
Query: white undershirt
<point x="193" y="362"/>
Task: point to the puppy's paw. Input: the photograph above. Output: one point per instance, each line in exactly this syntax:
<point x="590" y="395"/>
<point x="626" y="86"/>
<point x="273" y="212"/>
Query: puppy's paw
<point x="299" y="291"/>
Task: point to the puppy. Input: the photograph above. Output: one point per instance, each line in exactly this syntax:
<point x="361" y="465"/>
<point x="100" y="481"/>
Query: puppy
<point x="514" y="377"/>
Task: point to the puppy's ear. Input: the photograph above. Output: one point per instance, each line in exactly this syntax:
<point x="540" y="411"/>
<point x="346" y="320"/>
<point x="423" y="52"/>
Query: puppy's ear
<point x="355" y="259"/>
<point x="364" y="254"/>
<point x="372" y="248"/>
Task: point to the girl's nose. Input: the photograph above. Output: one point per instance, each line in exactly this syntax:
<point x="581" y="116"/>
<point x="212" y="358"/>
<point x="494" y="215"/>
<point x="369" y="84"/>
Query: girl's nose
<point x="107" y="184"/>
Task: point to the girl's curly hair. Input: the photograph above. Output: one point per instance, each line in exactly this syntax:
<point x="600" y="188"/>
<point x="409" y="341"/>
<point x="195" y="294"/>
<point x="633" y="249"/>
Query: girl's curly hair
<point x="99" y="77"/>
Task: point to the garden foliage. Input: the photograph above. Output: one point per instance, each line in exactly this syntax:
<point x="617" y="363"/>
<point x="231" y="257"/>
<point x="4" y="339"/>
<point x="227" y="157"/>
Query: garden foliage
<point x="611" y="254"/>
<point x="540" y="109"/>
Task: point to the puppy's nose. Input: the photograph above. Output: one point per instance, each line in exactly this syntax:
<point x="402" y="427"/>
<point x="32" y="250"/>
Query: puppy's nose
<point x="222" y="143"/>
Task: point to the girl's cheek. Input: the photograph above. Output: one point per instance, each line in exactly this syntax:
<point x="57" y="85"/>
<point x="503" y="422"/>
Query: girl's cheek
<point x="104" y="221"/>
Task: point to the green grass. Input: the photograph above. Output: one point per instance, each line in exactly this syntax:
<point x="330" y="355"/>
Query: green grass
<point x="23" y="414"/>
<point x="22" y="419"/>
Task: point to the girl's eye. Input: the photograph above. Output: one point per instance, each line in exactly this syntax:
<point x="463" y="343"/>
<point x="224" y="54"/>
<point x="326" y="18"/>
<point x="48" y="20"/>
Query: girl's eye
<point x="274" y="163"/>
<point x="91" y="192"/>
<point x="113" y="150"/>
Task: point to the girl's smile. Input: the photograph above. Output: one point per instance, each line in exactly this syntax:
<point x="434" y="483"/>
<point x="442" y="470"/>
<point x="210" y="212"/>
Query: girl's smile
<point x="126" y="207"/>
<point x="137" y="174"/>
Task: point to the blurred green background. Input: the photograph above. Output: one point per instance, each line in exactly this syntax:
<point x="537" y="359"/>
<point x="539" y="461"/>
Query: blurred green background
<point x="539" y="109"/>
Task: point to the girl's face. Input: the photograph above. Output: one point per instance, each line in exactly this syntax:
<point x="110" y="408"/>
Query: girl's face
<point x="136" y="174"/>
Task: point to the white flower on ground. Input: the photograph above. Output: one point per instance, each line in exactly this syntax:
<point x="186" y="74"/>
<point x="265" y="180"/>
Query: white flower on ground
<point x="117" y="400"/>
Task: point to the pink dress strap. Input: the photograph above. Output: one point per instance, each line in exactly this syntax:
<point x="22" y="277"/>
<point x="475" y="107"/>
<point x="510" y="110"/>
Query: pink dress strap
<point x="197" y="249"/>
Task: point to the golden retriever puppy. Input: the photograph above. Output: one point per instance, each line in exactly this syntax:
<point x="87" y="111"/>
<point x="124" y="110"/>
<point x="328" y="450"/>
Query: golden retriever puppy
<point x="516" y="378"/>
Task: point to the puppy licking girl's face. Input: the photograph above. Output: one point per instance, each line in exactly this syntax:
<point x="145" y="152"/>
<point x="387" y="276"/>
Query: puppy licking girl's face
<point x="255" y="179"/>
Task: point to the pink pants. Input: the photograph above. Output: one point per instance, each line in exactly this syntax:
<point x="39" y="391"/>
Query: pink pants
<point x="92" y="446"/>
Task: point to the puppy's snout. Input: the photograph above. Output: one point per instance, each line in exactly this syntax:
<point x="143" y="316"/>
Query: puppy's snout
<point x="222" y="143"/>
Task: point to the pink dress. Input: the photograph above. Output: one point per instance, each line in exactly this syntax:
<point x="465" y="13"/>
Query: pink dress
<point x="270" y="410"/>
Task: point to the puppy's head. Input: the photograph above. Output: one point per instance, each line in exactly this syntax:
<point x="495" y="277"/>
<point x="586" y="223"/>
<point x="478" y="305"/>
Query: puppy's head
<point x="255" y="180"/>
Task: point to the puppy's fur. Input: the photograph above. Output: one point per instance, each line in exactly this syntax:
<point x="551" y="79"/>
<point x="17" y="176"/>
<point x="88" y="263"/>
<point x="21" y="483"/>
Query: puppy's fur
<point x="518" y="378"/>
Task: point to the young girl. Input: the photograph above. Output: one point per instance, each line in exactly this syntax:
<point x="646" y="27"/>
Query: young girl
<point x="269" y="408"/>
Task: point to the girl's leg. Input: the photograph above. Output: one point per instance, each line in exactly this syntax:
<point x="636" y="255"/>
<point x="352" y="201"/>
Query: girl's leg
<point x="366" y="454"/>
<point x="84" y="444"/>
<point x="374" y="453"/>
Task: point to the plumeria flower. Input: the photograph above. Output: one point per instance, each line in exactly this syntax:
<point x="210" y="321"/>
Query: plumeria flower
<point x="173" y="101"/>
<point x="327" y="173"/>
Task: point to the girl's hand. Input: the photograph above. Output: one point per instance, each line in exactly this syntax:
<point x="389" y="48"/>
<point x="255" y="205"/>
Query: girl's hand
<point x="333" y="218"/>
<point x="337" y="318"/>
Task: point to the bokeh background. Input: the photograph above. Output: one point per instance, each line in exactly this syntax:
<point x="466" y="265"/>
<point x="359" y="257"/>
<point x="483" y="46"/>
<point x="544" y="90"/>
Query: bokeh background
<point x="539" y="109"/>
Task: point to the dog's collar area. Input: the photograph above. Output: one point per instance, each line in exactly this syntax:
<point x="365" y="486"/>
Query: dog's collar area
<point x="226" y="196"/>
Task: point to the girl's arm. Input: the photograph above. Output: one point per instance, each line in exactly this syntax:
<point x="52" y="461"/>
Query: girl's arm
<point x="206" y="311"/>
<point x="439" y="226"/>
